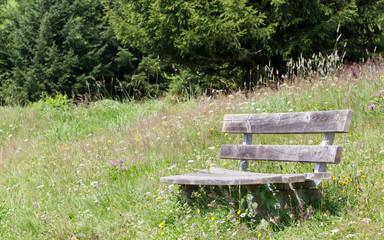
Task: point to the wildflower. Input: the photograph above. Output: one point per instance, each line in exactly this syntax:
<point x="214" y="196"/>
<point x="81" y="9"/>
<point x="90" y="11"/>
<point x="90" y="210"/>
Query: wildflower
<point x="120" y="160"/>
<point x="381" y="76"/>
<point x="109" y="141"/>
<point x="194" y="225"/>
<point x="253" y="220"/>
<point x="138" y="140"/>
<point x="371" y="106"/>
<point x="238" y="212"/>
<point x="162" y="233"/>
<point x="212" y="218"/>
<point x="124" y="168"/>
<point x="112" y="163"/>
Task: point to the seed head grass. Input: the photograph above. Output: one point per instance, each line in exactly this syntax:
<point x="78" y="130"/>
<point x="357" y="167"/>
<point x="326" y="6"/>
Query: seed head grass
<point x="92" y="171"/>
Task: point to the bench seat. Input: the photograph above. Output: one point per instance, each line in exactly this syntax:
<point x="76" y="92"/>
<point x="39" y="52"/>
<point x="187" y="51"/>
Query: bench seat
<point x="221" y="176"/>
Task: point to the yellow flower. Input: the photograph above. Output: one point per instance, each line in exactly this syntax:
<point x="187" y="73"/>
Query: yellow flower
<point x="224" y="163"/>
<point x="259" y="235"/>
<point x="162" y="233"/>
<point x="381" y="76"/>
<point x="238" y="212"/>
<point x="138" y="140"/>
<point x="212" y="218"/>
<point x="198" y="133"/>
<point x="109" y="141"/>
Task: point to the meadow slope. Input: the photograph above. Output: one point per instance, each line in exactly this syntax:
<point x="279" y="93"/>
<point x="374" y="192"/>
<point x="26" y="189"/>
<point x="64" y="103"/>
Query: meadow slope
<point x="92" y="172"/>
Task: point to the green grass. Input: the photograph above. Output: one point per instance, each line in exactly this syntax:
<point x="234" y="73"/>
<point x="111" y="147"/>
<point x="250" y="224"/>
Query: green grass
<point x="57" y="180"/>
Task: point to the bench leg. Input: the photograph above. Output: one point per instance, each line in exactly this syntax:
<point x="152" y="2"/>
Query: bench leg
<point x="297" y="195"/>
<point x="187" y="193"/>
<point x="291" y="195"/>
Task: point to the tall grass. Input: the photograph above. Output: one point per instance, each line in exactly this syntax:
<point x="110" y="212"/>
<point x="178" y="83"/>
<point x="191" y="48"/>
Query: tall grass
<point x="92" y="171"/>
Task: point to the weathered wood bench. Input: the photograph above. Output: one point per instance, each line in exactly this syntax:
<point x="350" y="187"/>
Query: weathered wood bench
<point x="326" y="122"/>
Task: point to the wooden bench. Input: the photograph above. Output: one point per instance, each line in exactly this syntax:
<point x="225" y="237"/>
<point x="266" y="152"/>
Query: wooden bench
<point x="326" y="122"/>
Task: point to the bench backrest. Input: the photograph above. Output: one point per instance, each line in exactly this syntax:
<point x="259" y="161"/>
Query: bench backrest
<point x="327" y="122"/>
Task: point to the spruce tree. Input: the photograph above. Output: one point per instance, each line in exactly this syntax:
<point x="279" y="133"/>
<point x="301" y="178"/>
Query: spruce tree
<point x="59" y="46"/>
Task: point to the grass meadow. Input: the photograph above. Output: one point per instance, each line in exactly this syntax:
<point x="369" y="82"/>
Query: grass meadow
<point x="92" y="171"/>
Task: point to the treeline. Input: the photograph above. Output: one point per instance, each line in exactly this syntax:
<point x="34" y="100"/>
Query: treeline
<point x="144" y="48"/>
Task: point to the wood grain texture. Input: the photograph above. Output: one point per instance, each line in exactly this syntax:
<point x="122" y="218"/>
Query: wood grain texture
<point x="220" y="176"/>
<point x="287" y="153"/>
<point x="337" y="121"/>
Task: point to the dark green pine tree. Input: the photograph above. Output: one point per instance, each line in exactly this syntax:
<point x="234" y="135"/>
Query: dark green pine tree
<point x="223" y="43"/>
<point x="59" y="46"/>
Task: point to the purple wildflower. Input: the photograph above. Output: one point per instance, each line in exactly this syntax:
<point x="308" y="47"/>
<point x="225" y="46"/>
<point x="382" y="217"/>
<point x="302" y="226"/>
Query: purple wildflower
<point x="124" y="168"/>
<point x="371" y="106"/>
<point x="218" y="206"/>
<point x="112" y="162"/>
<point x="120" y="160"/>
<point x="253" y="220"/>
<point x="194" y="224"/>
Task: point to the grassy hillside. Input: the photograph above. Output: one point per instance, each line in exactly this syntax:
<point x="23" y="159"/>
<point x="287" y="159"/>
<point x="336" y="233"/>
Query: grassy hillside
<point x="92" y="172"/>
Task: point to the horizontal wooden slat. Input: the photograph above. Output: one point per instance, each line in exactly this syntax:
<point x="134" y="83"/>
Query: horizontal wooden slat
<point x="288" y="153"/>
<point x="337" y="121"/>
<point x="220" y="176"/>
